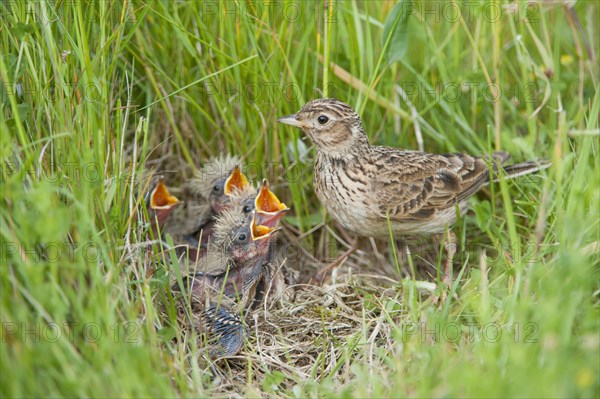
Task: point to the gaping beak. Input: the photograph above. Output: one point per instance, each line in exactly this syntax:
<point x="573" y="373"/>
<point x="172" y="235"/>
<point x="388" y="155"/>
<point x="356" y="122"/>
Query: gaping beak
<point x="162" y="204"/>
<point x="235" y="181"/>
<point x="290" y="120"/>
<point x="268" y="207"/>
<point x="266" y="201"/>
<point x="161" y="198"/>
<point x="259" y="231"/>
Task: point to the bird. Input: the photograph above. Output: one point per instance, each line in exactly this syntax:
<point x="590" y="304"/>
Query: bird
<point x="370" y="190"/>
<point x="269" y="210"/>
<point x="210" y="191"/>
<point x="228" y="277"/>
<point x="216" y="181"/>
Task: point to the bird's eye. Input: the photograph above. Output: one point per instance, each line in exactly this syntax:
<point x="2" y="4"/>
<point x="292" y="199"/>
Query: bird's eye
<point x="216" y="188"/>
<point x="247" y="209"/>
<point x="322" y="119"/>
<point x="242" y="237"/>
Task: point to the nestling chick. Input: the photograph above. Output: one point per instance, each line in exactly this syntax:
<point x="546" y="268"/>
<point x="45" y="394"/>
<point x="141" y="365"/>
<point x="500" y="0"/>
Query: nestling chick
<point x="225" y="282"/>
<point x="218" y="179"/>
<point x="226" y="193"/>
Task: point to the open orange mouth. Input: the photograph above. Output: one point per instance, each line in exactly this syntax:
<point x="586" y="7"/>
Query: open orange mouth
<point x="161" y="198"/>
<point x="267" y="202"/>
<point x="260" y="231"/>
<point x="235" y="181"/>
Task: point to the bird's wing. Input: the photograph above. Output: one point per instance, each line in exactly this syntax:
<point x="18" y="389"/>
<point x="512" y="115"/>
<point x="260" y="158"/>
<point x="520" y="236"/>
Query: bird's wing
<point x="412" y="185"/>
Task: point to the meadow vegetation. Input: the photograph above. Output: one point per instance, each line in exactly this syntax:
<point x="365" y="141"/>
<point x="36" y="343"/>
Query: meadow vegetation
<point x="97" y="94"/>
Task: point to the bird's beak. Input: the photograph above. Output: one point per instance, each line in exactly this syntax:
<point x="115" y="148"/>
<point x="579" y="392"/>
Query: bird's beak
<point x="235" y="181"/>
<point x="260" y="232"/>
<point x="270" y="219"/>
<point x="161" y="198"/>
<point x="290" y="120"/>
<point x="162" y="204"/>
<point x="268" y="207"/>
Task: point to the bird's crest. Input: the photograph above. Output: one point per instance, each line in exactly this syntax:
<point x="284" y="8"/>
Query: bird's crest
<point x="226" y="223"/>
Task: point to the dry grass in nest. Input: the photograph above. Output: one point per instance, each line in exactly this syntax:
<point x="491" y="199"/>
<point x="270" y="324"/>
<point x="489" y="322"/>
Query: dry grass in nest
<point x="316" y="334"/>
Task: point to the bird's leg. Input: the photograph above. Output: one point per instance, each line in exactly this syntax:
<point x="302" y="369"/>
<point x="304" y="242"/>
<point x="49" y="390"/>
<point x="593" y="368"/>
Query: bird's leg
<point x="342" y="231"/>
<point x="450" y="247"/>
<point x="322" y="272"/>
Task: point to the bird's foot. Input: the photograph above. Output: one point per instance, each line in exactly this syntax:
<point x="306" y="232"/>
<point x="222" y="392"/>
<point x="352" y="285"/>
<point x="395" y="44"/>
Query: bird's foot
<point x="440" y="298"/>
<point x="445" y="287"/>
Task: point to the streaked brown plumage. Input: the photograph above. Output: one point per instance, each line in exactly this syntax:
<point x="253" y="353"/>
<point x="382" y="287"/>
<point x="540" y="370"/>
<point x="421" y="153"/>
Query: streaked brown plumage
<point x="362" y="185"/>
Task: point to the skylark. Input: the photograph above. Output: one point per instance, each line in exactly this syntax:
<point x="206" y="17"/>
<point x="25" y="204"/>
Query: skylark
<point x="365" y="187"/>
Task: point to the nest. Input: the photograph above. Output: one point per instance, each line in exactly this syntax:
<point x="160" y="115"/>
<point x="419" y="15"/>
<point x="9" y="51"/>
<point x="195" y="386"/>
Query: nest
<point x="314" y="332"/>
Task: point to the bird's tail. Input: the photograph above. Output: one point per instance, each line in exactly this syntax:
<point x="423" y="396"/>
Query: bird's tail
<point x="518" y="169"/>
<point x="524" y="168"/>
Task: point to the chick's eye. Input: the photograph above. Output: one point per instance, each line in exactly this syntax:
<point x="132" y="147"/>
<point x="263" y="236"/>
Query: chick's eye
<point x="216" y="188"/>
<point x="247" y="209"/>
<point x="242" y="237"/>
<point x="322" y="119"/>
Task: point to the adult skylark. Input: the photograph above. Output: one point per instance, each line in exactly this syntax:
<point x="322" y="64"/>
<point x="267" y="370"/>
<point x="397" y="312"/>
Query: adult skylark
<point x="365" y="187"/>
